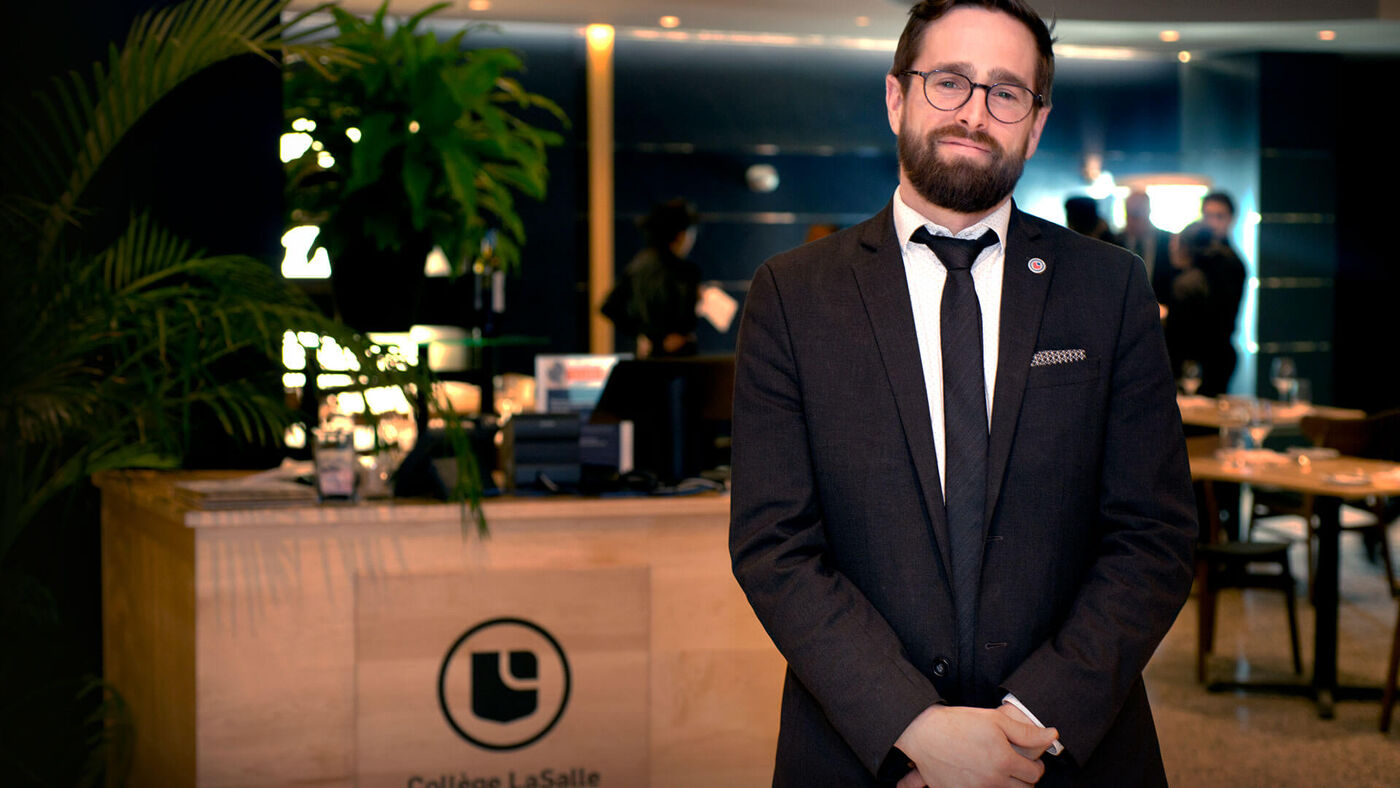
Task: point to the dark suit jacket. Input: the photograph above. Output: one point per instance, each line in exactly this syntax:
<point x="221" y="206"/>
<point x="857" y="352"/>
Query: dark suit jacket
<point x="838" y="533"/>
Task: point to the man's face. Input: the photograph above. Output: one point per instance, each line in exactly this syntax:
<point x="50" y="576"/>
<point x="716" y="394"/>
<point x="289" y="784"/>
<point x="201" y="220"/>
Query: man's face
<point x="965" y="160"/>
<point x="1217" y="217"/>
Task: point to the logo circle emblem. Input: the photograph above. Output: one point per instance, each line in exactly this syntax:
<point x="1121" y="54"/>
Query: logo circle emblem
<point x="1036" y="265"/>
<point x="504" y="684"/>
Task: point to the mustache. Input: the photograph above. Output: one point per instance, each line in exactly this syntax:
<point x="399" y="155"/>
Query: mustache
<point x="954" y="131"/>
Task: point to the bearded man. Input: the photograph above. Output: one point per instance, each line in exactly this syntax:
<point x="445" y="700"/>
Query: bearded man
<point x="961" y="503"/>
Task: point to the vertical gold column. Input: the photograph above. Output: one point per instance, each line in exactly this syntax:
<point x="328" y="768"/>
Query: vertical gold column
<point x="600" y="184"/>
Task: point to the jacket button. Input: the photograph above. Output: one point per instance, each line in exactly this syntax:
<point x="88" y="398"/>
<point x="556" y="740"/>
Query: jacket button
<point x="940" y="667"/>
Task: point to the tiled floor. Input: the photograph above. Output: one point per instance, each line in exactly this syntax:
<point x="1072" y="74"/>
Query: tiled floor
<point x="1232" y="739"/>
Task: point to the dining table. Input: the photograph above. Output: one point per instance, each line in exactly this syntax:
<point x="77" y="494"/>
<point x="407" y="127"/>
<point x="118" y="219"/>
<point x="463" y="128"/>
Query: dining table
<point x="1198" y="411"/>
<point x="1332" y="480"/>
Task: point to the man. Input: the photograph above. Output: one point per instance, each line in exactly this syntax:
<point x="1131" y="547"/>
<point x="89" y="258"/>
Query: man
<point x="930" y="630"/>
<point x="1218" y="213"/>
<point x="1153" y="245"/>
<point x="1222" y="275"/>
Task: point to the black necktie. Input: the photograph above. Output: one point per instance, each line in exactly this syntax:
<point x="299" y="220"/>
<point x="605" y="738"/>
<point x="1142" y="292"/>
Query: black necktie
<point x="964" y="428"/>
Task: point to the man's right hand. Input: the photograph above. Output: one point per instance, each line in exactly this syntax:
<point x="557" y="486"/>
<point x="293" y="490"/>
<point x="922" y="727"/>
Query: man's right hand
<point x="961" y="746"/>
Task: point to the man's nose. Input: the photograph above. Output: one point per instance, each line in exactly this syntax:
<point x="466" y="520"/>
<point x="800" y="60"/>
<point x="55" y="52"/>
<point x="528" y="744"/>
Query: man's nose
<point x="973" y="113"/>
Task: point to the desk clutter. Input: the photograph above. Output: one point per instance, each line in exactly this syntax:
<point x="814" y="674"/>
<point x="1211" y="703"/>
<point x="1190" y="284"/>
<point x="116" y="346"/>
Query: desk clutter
<point x="555" y="451"/>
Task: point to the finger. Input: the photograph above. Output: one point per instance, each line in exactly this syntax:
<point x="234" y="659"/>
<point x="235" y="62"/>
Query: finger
<point x="1026" y="770"/>
<point x="1027" y="752"/>
<point x="1027" y="735"/>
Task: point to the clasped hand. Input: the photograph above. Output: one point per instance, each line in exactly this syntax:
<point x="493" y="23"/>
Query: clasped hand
<point x="962" y="746"/>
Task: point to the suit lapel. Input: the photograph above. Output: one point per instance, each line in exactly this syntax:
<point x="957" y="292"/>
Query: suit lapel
<point x="879" y="275"/>
<point x="1022" y="303"/>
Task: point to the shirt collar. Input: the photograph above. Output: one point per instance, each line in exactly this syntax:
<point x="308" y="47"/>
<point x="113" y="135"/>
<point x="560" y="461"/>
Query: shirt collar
<point x="907" y="220"/>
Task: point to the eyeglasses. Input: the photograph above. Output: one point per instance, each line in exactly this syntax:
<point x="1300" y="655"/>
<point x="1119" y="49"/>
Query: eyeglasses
<point x="949" y="90"/>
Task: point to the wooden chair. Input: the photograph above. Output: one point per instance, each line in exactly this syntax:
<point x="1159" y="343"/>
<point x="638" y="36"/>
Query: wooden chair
<point x="1388" y="694"/>
<point x="1374" y="437"/>
<point x="1224" y="564"/>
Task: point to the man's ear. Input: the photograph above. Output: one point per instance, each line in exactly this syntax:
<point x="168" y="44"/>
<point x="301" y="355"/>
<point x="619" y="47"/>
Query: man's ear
<point x="894" y="101"/>
<point x="1037" y="126"/>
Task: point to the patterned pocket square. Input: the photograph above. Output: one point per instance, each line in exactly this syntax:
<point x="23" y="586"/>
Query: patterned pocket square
<point x="1045" y="358"/>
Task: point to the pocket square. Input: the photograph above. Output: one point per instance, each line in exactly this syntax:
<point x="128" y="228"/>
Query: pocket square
<point x="1045" y="358"/>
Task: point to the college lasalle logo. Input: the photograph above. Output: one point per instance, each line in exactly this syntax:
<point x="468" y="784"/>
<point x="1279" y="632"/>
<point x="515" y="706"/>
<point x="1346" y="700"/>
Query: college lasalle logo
<point x="504" y="684"/>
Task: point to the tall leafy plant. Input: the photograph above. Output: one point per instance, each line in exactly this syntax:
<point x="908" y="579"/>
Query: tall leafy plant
<point x="115" y="350"/>
<point x="421" y="142"/>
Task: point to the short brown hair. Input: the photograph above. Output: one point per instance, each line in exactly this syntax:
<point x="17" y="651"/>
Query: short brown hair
<point x="928" y="11"/>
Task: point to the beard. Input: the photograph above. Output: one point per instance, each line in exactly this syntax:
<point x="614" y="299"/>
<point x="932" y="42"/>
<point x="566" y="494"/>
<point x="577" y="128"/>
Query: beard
<point x="962" y="185"/>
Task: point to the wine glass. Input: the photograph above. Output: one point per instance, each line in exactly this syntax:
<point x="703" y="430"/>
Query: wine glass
<point x="1261" y="422"/>
<point x="1283" y="373"/>
<point x="1234" y="431"/>
<point x="1190" y="377"/>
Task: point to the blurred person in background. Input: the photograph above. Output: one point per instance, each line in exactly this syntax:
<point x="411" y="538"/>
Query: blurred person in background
<point x="656" y="299"/>
<point x="1151" y="243"/>
<point x="1082" y="216"/>
<point x="1205" y="304"/>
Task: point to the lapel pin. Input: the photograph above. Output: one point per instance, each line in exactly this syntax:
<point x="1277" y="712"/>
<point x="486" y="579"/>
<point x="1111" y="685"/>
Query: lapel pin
<point x="1036" y="265"/>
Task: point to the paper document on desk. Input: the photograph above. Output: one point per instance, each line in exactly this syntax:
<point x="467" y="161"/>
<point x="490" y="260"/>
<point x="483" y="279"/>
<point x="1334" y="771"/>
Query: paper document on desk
<point x="274" y="487"/>
<point x="717" y="306"/>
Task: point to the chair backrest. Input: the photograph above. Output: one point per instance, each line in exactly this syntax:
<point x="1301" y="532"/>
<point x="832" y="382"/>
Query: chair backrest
<point x="1376" y="437"/>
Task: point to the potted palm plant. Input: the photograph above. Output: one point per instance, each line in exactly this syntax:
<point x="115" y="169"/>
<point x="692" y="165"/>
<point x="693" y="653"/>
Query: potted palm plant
<point x="414" y="142"/>
<point x="115" y="349"/>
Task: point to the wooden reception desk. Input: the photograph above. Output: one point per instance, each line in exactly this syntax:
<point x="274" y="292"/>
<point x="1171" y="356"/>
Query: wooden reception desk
<point x="315" y="645"/>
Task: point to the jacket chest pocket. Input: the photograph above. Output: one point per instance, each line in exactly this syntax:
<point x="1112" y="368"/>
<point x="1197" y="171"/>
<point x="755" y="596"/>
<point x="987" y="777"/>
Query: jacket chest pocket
<point x="1063" y="374"/>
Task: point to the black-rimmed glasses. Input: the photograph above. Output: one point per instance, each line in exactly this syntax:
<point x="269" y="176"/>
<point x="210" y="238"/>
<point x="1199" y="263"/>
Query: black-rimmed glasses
<point x="949" y="90"/>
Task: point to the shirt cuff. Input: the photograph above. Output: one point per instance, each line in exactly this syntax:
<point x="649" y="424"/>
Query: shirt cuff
<point x="1055" y="747"/>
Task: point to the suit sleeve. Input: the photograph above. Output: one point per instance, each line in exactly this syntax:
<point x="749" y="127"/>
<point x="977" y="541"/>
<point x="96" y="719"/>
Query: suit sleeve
<point x="836" y="644"/>
<point x="1078" y="680"/>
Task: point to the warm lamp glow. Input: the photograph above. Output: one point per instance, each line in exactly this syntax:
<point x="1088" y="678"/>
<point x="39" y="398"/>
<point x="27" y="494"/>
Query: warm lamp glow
<point x="1183" y="56"/>
<point x="1327" y="35"/>
<point x="669" y="21"/>
<point x="600" y="37"/>
<point x="479" y="5"/>
<point x="862" y="21"/>
<point x="1170" y="35"/>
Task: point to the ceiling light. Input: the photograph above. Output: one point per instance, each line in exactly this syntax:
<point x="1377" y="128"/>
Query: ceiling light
<point x="479" y="5"/>
<point x="862" y="21"/>
<point x="600" y="37"/>
<point x="669" y="21"/>
<point x="1170" y="35"/>
<point x="1327" y="35"/>
<point x="1183" y="56"/>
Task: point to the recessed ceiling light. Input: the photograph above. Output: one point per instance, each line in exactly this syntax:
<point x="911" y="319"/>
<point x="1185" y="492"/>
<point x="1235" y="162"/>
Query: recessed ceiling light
<point x="1170" y="35"/>
<point x="600" y="37"/>
<point x="862" y="21"/>
<point x="669" y="21"/>
<point x="1327" y="35"/>
<point x="1183" y="56"/>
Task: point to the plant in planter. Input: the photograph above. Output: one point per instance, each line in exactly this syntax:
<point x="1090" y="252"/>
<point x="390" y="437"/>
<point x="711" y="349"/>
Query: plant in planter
<point x="419" y="143"/>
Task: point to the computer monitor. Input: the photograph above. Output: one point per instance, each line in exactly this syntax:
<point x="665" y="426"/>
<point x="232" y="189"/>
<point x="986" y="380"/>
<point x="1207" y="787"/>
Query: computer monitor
<point x="572" y="382"/>
<point x="680" y="409"/>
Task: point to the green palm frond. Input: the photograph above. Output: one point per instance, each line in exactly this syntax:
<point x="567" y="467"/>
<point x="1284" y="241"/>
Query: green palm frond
<point x="85" y="116"/>
<point x="114" y="355"/>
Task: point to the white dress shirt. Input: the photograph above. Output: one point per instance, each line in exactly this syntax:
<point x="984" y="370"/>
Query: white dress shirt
<point x="926" y="275"/>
